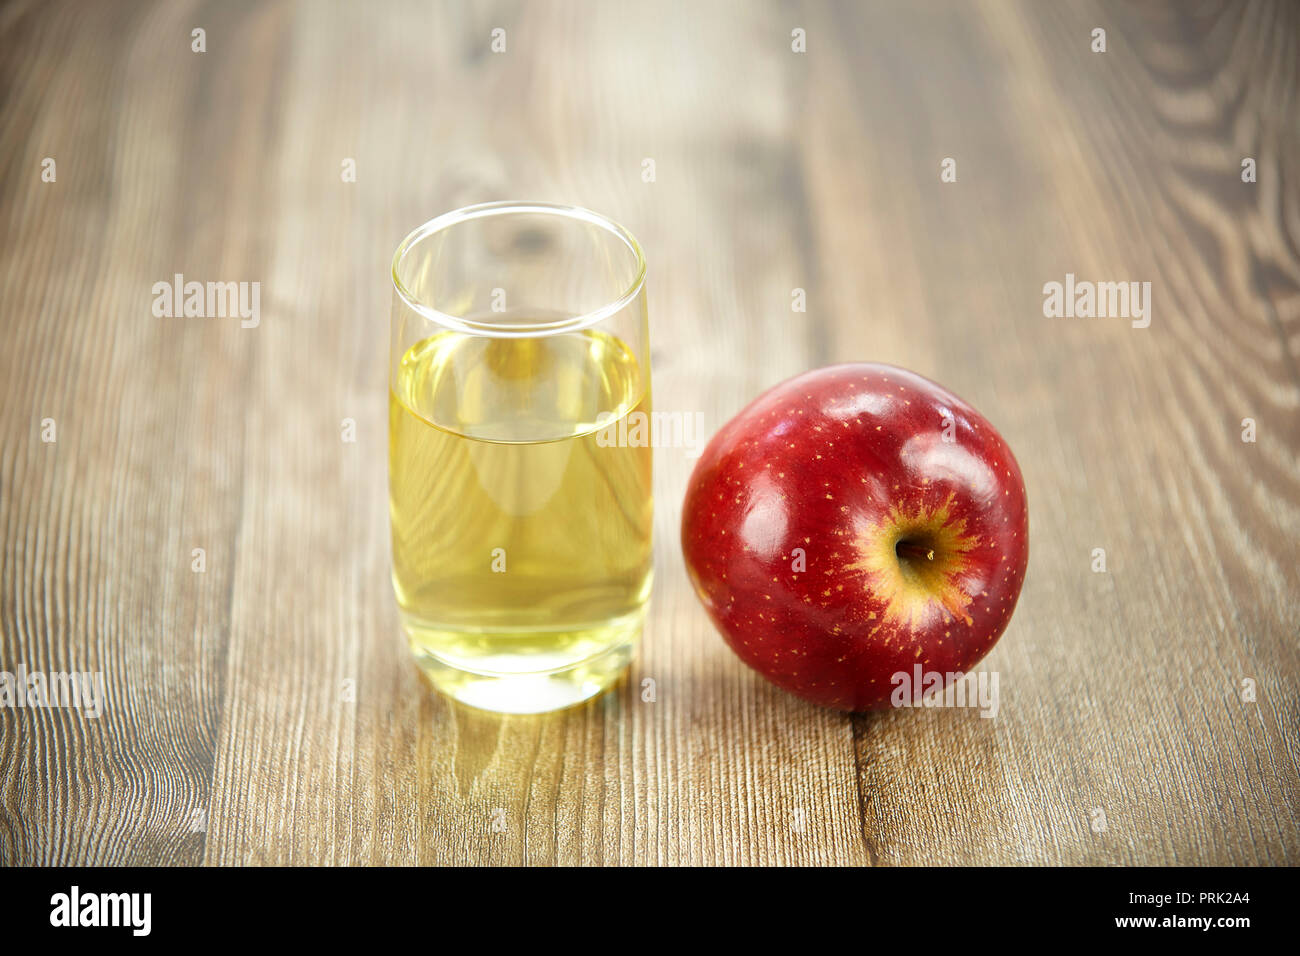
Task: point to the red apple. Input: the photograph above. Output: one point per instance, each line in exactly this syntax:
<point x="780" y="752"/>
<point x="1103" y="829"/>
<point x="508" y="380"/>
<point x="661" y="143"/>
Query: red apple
<point x="852" y="523"/>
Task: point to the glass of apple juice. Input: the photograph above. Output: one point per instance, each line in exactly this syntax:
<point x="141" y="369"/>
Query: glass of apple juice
<point x="521" y="531"/>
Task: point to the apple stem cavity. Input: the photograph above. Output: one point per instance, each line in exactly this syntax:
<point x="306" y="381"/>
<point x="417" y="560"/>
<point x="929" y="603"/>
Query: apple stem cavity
<point x="912" y="551"/>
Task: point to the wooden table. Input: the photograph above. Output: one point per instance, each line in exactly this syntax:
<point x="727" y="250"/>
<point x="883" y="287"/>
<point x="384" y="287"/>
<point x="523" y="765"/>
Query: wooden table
<point x="265" y="710"/>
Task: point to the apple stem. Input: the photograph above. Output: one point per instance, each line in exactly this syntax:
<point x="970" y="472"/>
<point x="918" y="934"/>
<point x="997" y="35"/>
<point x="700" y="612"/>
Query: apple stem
<point x="917" y="552"/>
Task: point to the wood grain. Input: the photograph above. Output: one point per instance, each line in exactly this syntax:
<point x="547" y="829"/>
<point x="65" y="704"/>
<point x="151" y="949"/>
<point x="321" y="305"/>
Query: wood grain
<point x="265" y="710"/>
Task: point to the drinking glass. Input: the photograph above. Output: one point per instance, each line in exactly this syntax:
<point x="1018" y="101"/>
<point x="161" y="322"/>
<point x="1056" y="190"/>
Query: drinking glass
<point x="521" y="511"/>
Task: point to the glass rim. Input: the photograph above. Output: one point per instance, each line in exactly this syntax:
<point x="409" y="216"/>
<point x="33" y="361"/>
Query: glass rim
<point x="508" y="207"/>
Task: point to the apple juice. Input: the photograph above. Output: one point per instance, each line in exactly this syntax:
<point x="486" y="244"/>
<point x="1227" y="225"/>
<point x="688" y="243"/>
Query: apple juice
<point x="521" y="542"/>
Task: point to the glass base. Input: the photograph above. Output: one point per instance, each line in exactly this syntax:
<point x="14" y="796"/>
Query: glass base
<point x="516" y="684"/>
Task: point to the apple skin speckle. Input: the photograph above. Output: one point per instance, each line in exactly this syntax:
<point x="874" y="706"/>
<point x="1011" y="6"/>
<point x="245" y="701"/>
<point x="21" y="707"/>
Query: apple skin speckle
<point x="922" y="489"/>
